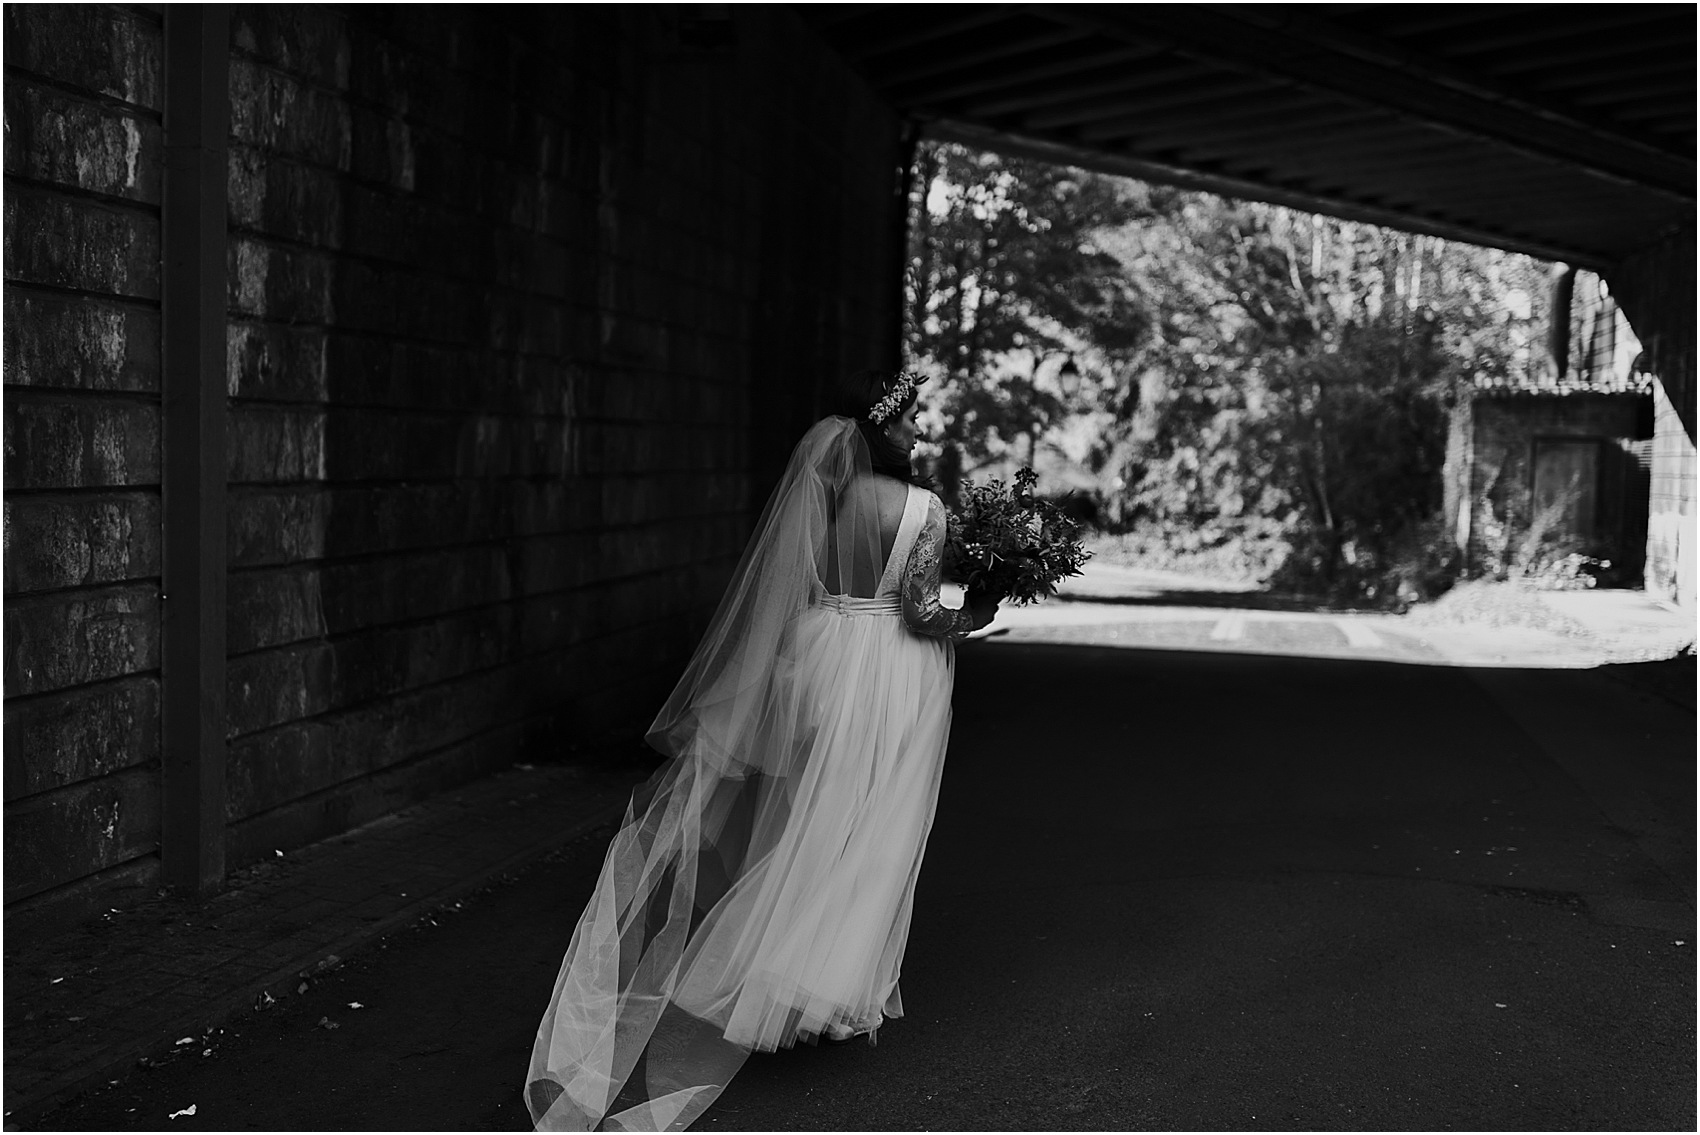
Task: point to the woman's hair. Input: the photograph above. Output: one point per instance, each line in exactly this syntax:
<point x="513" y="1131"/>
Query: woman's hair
<point x="855" y="396"/>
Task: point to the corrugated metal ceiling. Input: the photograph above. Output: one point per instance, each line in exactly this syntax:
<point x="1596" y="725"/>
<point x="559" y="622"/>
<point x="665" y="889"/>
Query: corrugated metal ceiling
<point x="1564" y="130"/>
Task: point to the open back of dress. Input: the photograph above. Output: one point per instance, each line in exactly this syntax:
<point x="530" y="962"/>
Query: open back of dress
<point x="852" y="564"/>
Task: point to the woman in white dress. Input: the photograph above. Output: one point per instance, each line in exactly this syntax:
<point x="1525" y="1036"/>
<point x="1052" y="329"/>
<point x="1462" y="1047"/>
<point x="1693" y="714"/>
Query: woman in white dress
<point x="759" y="892"/>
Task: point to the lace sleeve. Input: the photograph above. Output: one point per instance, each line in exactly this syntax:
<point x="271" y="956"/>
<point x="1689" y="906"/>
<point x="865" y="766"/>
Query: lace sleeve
<point x="921" y="607"/>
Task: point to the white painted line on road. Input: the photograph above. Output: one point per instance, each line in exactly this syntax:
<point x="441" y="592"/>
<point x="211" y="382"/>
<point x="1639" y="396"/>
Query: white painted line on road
<point x="1359" y="635"/>
<point x="1229" y="628"/>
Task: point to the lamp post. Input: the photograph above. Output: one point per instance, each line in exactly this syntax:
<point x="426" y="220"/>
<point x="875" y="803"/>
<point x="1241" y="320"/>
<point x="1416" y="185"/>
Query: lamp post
<point x="1068" y="379"/>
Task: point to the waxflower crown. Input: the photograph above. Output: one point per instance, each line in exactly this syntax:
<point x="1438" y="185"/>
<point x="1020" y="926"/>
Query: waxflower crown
<point x="906" y="381"/>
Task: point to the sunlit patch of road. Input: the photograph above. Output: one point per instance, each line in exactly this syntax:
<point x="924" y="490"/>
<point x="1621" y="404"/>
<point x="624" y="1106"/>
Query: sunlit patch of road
<point x="1230" y="628"/>
<point x="1183" y="628"/>
<point x="1118" y="606"/>
<point x="1359" y="635"/>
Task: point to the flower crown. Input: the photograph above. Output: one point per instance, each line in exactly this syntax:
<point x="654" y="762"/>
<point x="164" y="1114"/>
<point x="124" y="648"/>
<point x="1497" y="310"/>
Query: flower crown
<point x="906" y="381"/>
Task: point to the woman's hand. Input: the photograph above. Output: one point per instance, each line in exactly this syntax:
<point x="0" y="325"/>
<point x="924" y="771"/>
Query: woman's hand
<point x="982" y="608"/>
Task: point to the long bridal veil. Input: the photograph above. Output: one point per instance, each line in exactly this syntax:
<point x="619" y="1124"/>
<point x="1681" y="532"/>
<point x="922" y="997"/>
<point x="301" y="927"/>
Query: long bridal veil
<point x="653" y="1010"/>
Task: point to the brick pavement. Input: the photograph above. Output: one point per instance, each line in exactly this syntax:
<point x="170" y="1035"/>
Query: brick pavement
<point x="85" y="1004"/>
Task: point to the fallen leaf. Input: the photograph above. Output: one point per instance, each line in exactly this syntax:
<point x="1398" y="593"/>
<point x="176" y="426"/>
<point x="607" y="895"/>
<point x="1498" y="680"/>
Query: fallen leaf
<point x="302" y="988"/>
<point x="1499" y="1004"/>
<point x="56" y="981"/>
<point x="355" y="1005"/>
<point x="190" y="1110"/>
<point x="277" y="853"/>
<point x="185" y="1040"/>
<point x="206" y="1052"/>
<point x="327" y="1023"/>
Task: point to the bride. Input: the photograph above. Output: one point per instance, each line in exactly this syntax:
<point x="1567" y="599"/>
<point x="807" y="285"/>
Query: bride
<point x="759" y="892"/>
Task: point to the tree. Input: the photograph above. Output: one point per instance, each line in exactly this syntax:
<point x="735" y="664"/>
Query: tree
<point x="1004" y="282"/>
<point x="1302" y="369"/>
<point x="1248" y="374"/>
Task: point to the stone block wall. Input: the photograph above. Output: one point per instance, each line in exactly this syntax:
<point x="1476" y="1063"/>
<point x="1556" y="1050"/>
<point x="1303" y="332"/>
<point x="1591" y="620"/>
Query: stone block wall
<point x="82" y="418"/>
<point x="526" y="307"/>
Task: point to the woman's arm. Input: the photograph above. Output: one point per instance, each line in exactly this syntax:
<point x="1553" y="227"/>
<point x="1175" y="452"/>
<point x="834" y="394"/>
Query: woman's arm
<point x="921" y="607"/>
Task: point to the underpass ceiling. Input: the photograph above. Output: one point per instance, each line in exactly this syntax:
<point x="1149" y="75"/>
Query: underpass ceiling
<point x="1562" y="130"/>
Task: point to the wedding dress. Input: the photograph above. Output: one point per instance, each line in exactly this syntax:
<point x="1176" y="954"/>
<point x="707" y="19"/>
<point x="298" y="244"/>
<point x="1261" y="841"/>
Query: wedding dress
<point x="760" y="889"/>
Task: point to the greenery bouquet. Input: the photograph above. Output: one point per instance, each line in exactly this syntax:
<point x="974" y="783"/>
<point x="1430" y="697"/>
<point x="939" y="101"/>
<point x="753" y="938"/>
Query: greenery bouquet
<point x="1007" y="544"/>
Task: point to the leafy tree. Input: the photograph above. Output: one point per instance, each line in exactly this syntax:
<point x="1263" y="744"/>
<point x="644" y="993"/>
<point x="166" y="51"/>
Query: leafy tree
<point x="1306" y="366"/>
<point x="1247" y="373"/>
<point x="1004" y="275"/>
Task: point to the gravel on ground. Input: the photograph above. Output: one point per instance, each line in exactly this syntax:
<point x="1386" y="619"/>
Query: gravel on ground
<point x="1495" y="604"/>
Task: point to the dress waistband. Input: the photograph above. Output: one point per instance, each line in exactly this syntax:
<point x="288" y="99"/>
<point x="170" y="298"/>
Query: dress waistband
<point x="857" y="605"/>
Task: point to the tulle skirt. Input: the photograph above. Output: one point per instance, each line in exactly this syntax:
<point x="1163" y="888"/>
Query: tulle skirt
<point x="751" y="903"/>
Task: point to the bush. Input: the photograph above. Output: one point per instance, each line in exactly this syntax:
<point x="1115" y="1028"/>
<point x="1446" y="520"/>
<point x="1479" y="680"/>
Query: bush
<point x="1245" y="556"/>
<point x="1423" y="564"/>
<point x="1545" y="558"/>
<point x="1572" y="572"/>
<point x="1419" y="565"/>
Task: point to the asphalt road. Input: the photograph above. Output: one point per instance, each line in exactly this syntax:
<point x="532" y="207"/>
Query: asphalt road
<point x="1165" y="890"/>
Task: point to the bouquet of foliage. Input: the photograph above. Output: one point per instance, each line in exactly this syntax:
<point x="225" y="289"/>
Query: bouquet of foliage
<point x="1005" y="543"/>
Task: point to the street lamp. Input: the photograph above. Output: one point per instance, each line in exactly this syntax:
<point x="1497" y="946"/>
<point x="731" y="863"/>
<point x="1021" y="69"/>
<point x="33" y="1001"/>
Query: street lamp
<point x="1068" y="378"/>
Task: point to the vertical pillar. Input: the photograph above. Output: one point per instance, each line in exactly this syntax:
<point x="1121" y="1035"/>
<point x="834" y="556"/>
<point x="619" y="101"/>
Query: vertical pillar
<point x="1654" y="288"/>
<point x="1562" y="289"/>
<point x="908" y="145"/>
<point x="192" y="664"/>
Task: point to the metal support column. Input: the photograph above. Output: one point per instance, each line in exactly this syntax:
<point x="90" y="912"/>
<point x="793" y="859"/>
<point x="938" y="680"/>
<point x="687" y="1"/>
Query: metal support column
<point x="193" y="237"/>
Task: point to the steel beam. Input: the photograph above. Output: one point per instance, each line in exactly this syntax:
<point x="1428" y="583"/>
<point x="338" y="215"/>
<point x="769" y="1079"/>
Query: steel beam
<point x="1237" y="186"/>
<point x="1283" y="46"/>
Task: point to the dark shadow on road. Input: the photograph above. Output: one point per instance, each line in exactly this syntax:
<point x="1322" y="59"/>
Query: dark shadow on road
<point x="1166" y="889"/>
<point x="1213" y="890"/>
<point x="1672" y="679"/>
